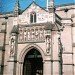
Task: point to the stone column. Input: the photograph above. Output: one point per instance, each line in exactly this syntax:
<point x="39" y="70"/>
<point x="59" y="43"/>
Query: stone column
<point x="11" y="65"/>
<point x="47" y="67"/>
<point x="20" y="68"/>
<point x="12" y="62"/>
<point x="47" y="61"/>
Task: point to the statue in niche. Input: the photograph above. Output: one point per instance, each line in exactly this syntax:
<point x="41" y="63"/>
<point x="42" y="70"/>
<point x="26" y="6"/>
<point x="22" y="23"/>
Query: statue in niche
<point x="25" y="35"/>
<point x="32" y="34"/>
<point x="47" y="44"/>
<point x="20" y="37"/>
<point x="28" y="34"/>
<point x="36" y="34"/>
<point x="41" y="33"/>
<point x="12" y="47"/>
<point x="21" y="34"/>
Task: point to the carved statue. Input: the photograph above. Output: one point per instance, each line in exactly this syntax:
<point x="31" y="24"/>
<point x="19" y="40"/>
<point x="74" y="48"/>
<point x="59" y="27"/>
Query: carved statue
<point x="36" y="34"/>
<point x="47" y="44"/>
<point x="32" y="34"/>
<point x="21" y="35"/>
<point x="12" y="47"/>
<point x="28" y="34"/>
<point x="41" y="33"/>
<point x="25" y="35"/>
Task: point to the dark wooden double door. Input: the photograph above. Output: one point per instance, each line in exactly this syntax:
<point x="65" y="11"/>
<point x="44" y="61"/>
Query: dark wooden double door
<point x="33" y="64"/>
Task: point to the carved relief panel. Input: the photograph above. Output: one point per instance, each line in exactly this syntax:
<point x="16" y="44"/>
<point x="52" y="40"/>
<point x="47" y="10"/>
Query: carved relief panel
<point x="31" y="33"/>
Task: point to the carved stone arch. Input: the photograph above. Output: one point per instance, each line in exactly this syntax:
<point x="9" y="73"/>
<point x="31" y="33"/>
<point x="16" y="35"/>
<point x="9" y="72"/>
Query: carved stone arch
<point x="23" y="54"/>
<point x="28" y="48"/>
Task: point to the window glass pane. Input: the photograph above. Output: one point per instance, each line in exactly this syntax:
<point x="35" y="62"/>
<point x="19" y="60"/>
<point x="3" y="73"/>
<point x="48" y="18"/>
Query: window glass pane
<point x="35" y="17"/>
<point x="31" y="18"/>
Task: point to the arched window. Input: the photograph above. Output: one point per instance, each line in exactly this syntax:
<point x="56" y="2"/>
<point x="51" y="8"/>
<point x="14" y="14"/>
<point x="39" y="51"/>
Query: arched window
<point x="33" y="17"/>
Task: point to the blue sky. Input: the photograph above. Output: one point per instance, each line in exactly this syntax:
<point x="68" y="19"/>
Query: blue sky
<point x="8" y="5"/>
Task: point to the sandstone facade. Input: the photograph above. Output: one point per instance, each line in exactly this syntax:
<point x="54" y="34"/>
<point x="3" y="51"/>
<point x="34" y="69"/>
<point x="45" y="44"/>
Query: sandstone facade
<point x="37" y="33"/>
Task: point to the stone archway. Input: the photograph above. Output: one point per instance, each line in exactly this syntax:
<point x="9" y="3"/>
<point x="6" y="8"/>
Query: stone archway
<point x="33" y="63"/>
<point x="23" y="54"/>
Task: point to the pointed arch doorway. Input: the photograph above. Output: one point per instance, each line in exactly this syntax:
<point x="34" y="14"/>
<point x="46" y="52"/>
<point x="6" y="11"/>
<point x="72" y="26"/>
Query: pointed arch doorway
<point x="33" y="63"/>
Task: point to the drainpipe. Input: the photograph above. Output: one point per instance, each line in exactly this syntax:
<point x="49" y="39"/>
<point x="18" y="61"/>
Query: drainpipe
<point x="60" y="56"/>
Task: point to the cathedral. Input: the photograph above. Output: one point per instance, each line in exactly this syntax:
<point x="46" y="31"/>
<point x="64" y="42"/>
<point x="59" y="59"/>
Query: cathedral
<point x="37" y="40"/>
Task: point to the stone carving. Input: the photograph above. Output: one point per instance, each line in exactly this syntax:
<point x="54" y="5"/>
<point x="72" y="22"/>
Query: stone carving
<point x="48" y="43"/>
<point x="36" y="34"/>
<point x="12" y="46"/>
<point x="32" y="34"/>
<point x="28" y="34"/>
<point x="25" y="35"/>
<point x="41" y="33"/>
<point x="20" y="34"/>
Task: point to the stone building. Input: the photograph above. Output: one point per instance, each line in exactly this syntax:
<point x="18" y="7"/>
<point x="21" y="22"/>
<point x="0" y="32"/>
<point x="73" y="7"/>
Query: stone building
<point x="38" y="41"/>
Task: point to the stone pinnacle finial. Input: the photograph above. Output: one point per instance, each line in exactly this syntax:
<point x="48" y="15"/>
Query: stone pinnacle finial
<point x="51" y="6"/>
<point x="17" y="10"/>
<point x="51" y="3"/>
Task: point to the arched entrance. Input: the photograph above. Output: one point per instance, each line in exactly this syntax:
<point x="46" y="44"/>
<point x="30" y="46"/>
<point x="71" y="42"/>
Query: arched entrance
<point x="33" y="63"/>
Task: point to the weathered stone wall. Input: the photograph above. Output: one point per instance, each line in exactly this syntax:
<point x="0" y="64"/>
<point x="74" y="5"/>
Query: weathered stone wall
<point x="68" y="42"/>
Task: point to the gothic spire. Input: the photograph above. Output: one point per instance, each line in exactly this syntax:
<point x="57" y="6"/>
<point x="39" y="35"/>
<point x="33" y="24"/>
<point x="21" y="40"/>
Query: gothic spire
<point x="17" y="9"/>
